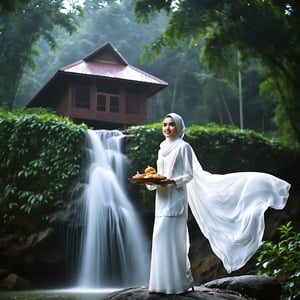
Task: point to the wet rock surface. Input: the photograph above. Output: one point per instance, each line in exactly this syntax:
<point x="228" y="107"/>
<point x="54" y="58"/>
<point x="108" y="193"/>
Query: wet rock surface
<point x="229" y="288"/>
<point x="259" y="287"/>
<point x="200" y="293"/>
<point x="13" y="282"/>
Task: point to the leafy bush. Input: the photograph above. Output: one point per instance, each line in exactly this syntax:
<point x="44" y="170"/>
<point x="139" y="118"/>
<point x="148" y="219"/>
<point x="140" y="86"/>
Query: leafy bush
<point x="225" y="150"/>
<point x="219" y="150"/>
<point x="40" y="156"/>
<point x="282" y="261"/>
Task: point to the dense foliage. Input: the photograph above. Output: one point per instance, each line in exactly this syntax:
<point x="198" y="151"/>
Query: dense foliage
<point x="282" y="260"/>
<point x="267" y="30"/>
<point x="40" y="157"/>
<point x="10" y="5"/>
<point x="20" y="32"/>
<point x="190" y="85"/>
<point x="218" y="30"/>
<point x="219" y="150"/>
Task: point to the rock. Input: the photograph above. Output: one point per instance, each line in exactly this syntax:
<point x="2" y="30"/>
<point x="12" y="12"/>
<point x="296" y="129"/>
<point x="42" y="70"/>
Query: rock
<point x="14" y="282"/>
<point x="3" y="273"/>
<point x="207" y="267"/>
<point x="39" y="258"/>
<point x="259" y="287"/>
<point x="250" y="287"/>
<point x="38" y="246"/>
<point x="200" y="293"/>
<point x="10" y="245"/>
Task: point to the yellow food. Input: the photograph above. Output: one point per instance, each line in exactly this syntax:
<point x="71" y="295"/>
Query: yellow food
<point x="150" y="173"/>
<point x="150" y="170"/>
<point x="158" y="176"/>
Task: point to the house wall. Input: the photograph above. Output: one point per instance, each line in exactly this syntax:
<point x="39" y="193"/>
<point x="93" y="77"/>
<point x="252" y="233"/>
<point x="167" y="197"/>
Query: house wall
<point x="63" y="104"/>
<point x="132" y="104"/>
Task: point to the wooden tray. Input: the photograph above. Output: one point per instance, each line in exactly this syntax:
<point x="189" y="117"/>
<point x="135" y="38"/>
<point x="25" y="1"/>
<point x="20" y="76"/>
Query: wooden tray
<point x="146" y="180"/>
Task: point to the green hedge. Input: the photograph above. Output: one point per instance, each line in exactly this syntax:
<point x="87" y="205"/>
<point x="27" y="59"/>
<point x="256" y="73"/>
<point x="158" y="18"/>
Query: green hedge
<point x="225" y="150"/>
<point x="40" y="157"/>
<point x="219" y="150"/>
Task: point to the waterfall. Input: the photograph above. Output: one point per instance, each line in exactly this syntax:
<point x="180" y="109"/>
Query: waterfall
<point x="112" y="247"/>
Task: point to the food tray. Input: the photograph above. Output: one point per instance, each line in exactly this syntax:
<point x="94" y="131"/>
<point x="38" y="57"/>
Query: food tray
<point x="146" y="180"/>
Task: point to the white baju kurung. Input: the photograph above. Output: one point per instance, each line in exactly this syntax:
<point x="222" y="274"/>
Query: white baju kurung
<point x="229" y="210"/>
<point x="170" y="267"/>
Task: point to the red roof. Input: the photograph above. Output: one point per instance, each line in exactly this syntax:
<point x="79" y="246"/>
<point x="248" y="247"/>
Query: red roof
<point x="107" y="62"/>
<point x="111" y="70"/>
<point x="104" y="62"/>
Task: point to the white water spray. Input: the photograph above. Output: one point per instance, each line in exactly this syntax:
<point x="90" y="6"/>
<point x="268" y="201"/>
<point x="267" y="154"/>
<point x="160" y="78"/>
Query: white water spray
<point x="113" y="247"/>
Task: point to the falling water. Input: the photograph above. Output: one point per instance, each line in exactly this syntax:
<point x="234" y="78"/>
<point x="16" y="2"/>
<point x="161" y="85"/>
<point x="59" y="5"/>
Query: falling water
<point x="112" y="249"/>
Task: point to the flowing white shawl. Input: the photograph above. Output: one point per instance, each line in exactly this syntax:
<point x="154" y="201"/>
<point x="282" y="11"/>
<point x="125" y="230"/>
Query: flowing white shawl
<point x="229" y="208"/>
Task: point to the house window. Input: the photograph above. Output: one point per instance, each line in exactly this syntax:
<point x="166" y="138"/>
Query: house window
<point x="101" y="102"/>
<point x="108" y="97"/>
<point x="108" y="103"/>
<point x="114" y="105"/>
<point x="82" y="97"/>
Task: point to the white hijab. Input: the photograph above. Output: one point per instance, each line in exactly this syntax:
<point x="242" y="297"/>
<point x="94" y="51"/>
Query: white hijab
<point x="168" y="145"/>
<point x="229" y="209"/>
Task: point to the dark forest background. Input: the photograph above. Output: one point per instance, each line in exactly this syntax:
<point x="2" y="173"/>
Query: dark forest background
<point x="39" y="37"/>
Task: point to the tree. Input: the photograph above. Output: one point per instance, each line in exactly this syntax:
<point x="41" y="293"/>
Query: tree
<point x="267" y="30"/>
<point x="10" y="5"/>
<point x="199" y="96"/>
<point x="114" y="22"/>
<point x="20" y="31"/>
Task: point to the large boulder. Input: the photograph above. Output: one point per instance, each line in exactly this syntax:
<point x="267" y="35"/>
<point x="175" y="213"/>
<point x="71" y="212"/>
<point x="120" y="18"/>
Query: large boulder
<point x="39" y="258"/>
<point x="259" y="287"/>
<point x="13" y="282"/>
<point x="231" y="288"/>
<point x="43" y="247"/>
<point x="200" y="293"/>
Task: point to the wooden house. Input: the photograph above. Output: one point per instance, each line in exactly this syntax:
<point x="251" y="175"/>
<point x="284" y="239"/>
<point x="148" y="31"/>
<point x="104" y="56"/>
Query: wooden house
<point x="101" y="90"/>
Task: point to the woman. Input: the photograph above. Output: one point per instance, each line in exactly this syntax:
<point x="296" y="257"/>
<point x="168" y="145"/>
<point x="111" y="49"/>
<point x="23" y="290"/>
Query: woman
<point x="229" y="210"/>
<point x="170" y="268"/>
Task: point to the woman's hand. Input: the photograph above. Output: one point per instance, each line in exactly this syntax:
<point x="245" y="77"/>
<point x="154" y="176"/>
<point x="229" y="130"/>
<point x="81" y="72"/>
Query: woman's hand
<point x="167" y="181"/>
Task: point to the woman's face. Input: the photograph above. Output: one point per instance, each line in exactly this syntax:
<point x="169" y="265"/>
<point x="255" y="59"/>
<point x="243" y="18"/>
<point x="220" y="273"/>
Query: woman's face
<point x="169" y="128"/>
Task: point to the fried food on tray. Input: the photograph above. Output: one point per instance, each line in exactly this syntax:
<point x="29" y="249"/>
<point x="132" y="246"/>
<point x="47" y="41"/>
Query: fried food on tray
<point x="150" y="170"/>
<point x="138" y="176"/>
<point x="150" y="173"/>
<point x="158" y="176"/>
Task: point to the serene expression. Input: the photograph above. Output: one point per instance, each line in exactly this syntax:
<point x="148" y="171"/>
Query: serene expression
<point x="169" y="128"/>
